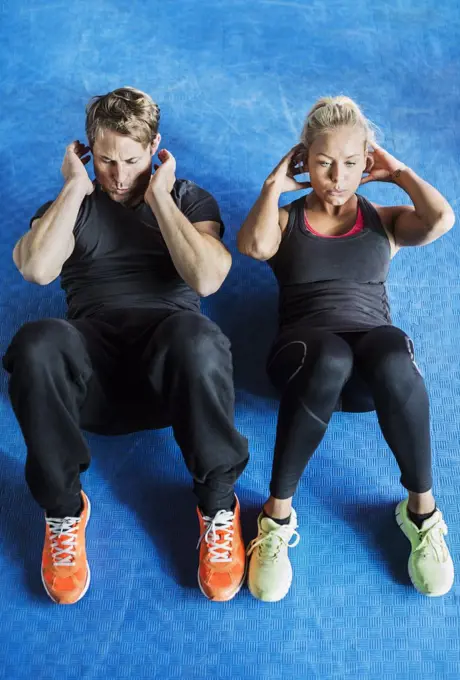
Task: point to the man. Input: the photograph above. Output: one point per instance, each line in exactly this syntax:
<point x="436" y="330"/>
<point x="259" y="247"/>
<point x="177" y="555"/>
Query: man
<point x="134" y="251"/>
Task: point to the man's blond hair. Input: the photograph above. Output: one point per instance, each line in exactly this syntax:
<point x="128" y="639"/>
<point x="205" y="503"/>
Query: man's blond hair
<point x="127" y="111"/>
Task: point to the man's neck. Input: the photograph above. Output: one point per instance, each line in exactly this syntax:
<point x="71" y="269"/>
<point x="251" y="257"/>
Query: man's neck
<point x="134" y="201"/>
<point x="131" y="202"/>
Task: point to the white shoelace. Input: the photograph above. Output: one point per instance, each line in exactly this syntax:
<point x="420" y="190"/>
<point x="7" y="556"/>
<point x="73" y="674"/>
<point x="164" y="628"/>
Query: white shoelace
<point x="433" y="538"/>
<point x="63" y="550"/>
<point x="219" y="546"/>
<point x="270" y="543"/>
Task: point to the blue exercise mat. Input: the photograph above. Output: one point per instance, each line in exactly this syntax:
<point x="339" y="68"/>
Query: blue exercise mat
<point x="234" y="80"/>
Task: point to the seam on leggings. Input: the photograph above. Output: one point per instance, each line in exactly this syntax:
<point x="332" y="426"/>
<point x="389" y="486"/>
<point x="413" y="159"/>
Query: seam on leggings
<point x="411" y="350"/>
<point x="398" y="408"/>
<point x="302" y="361"/>
<point x="409" y="345"/>
<point x="310" y="413"/>
<point x="304" y="406"/>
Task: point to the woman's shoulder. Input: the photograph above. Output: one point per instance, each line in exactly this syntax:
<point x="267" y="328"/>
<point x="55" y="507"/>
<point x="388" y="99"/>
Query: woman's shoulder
<point x="285" y="211"/>
<point x="383" y="211"/>
<point x="386" y="214"/>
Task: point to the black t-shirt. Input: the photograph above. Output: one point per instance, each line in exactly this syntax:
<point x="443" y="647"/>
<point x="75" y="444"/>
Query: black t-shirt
<point x="121" y="261"/>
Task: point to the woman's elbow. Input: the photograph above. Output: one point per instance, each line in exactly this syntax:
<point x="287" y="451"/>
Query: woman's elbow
<point x="449" y="219"/>
<point x="445" y="222"/>
<point x="256" y="250"/>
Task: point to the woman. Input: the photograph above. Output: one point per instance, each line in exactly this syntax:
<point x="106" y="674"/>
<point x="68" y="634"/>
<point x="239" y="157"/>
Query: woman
<point x="336" y="348"/>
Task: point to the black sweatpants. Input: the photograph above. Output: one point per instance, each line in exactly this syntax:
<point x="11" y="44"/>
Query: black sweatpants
<point x="120" y="372"/>
<point x="318" y="372"/>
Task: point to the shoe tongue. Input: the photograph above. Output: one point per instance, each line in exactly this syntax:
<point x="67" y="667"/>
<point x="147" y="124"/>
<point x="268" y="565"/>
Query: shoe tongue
<point x="431" y="521"/>
<point x="220" y="524"/>
<point x="267" y="524"/>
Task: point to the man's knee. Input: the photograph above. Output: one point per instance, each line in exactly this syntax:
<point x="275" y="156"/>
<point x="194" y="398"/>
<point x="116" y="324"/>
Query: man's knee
<point x="196" y="341"/>
<point x="37" y="341"/>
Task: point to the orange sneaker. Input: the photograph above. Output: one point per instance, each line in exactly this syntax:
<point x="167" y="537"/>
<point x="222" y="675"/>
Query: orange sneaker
<point x="222" y="555"/>
<point x="65" y="570"/>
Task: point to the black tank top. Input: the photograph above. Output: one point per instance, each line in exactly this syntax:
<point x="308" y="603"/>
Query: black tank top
<point x="336" y="284"/>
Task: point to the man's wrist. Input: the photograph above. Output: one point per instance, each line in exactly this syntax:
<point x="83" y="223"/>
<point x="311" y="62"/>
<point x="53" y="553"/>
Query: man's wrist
<point x="158" y="198"/>
<point x="77" y="185"/>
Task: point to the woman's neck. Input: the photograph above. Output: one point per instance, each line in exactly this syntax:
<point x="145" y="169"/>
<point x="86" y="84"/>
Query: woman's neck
<point x="315" y="204"/>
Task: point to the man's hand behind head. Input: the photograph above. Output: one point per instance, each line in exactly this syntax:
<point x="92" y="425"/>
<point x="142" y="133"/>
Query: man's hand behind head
<point x="73" y="165"/>
<point x="164" y="177"/>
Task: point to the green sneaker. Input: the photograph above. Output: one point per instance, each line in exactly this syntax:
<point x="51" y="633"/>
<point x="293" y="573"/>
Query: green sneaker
<point x="431" y="569"/>
<point x="270" y="571"/>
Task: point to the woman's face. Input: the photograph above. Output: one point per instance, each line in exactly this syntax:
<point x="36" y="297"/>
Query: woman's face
<point x="336" y="162"/>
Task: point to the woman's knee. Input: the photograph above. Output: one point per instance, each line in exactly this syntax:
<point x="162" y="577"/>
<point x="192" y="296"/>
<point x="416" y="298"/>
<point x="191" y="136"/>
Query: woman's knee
<point x="320" y="355"/>
<point x="334" y="358"/>
<point x="386" y="356"/>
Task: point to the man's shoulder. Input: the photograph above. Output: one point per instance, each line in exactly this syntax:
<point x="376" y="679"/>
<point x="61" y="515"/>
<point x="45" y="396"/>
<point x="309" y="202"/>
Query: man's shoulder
<point x="183" y="187"/>
<point x="88" y="200"/>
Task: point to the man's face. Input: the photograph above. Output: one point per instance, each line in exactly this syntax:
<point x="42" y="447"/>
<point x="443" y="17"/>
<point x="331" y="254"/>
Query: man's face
<point x="122" y="166"/>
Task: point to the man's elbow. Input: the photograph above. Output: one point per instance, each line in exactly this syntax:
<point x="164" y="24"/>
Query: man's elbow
<point x="206" y="291"/>
<point x="37" y="276"/>
<point x="209" y="285"/>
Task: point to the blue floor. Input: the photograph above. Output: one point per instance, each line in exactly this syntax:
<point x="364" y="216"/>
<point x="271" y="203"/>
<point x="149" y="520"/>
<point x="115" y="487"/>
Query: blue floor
<point x="234" y="80"/>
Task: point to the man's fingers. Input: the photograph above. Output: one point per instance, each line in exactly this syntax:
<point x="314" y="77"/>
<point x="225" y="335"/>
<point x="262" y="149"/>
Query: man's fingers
<point x="165" y="155"/>
<point x="78" y="148"/>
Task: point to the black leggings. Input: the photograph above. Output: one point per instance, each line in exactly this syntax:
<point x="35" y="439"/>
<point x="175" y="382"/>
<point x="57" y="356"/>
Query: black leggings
<point x="317" y="370"/>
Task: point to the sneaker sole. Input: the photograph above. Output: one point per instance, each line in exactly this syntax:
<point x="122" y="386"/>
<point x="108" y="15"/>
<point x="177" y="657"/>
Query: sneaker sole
<point x="88" y="578"/>
<point x="231" y="596"/>
<point x="409" y="568"/>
